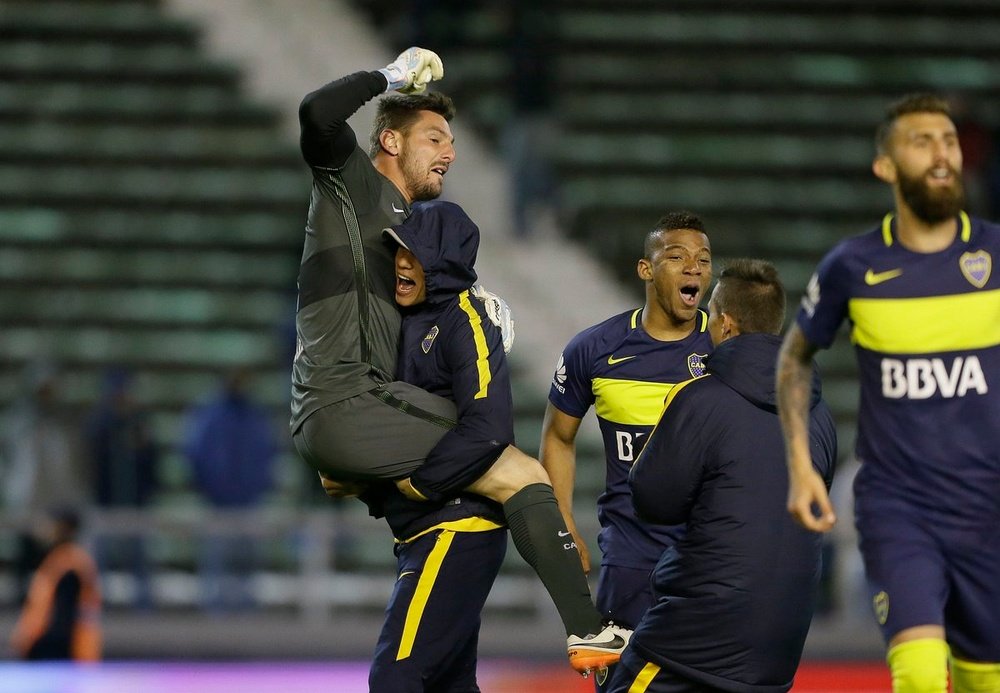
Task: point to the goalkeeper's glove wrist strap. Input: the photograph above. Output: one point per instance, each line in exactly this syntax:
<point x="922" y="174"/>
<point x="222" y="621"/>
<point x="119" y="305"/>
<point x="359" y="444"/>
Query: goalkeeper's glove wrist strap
<point x="394" y="77"/>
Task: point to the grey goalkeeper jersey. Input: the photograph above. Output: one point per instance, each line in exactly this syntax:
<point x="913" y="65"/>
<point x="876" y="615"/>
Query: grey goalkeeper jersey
<point x="347" y="323"/>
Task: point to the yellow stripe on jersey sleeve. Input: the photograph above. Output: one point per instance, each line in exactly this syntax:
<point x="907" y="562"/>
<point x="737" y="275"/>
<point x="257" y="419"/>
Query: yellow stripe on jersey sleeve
<point x="926" y="325"/>
<point x="629" y="401"/>
<point x="482" y="351"/>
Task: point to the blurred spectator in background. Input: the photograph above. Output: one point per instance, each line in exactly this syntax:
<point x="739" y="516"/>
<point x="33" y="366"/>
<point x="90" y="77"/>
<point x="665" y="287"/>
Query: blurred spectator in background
<point x="529" y="133"/>
<point x="231" y="446"/>
<point x="39" y="462"/>
<point x="61" y="617"/>
<point x="123" y="456"/>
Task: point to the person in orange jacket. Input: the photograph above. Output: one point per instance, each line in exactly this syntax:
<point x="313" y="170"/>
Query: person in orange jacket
<point x="61" y="615"/>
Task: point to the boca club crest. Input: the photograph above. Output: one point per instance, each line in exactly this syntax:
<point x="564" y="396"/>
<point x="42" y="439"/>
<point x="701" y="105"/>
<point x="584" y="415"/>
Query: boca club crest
<point x="696" y="364"/>
<point x="428" y="340"/>
<point x="976" y="267"/>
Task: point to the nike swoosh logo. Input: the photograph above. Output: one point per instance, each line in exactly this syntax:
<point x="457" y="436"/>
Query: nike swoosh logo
<point x="397" y="211"/>
<point x="564" y="534"/>
<point x="612" y="360"/>
<point x="405" y="573"/>
<point x="872" y="278"/>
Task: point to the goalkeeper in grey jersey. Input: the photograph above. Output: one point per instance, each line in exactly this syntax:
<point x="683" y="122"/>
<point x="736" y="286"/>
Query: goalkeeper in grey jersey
<point x="350" y="419"/>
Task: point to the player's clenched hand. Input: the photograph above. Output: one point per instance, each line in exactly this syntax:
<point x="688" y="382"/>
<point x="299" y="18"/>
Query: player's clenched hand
<point x="808" y="501"/>
<point x="413" y="70"/>
<point x="341" y="489"/>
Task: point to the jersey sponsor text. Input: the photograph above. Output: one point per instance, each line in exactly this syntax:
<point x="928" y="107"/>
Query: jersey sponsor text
<point x="923" y="378"/>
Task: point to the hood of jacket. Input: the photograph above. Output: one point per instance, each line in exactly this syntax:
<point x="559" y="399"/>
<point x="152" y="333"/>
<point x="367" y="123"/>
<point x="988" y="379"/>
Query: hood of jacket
<point x="748" y="363"/>
<point x="445" y="241"/>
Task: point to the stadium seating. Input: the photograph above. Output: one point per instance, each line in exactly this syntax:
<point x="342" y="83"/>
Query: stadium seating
<point x="150" y="217"/>
<point x="141" y="196"/>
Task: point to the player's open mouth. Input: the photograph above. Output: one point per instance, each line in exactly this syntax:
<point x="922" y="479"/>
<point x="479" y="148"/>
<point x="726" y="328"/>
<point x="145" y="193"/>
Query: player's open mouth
<point x="405" y="285"/>
<point x="942" y="175"/>
<point x="690" y="295"/>
<point x="440" y="170"/>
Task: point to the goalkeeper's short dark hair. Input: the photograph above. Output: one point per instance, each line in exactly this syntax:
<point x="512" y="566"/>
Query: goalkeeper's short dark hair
<point x="400" y="111"/>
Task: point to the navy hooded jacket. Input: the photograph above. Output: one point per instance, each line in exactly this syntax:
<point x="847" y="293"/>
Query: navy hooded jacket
<point x="449" y="347"/>
<point x="735" y="595"/>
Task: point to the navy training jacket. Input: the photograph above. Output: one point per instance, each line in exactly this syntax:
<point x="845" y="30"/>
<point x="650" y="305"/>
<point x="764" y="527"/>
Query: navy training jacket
<point x="449" y="347"/>
<point x="735" y="596"/>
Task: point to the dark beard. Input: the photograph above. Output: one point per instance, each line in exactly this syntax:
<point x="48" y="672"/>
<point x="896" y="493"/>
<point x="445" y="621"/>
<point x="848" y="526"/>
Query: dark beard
<point x="932" y="205"/>
<point x="420" y="189"/>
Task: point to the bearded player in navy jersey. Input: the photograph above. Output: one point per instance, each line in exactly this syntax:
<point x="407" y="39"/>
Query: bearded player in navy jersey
<point x="924" y="310"/>
<point x="624" y="367"/>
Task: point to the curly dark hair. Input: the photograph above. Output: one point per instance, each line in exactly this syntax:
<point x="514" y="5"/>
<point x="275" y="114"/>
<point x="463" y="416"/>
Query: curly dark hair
<point x="671" y="221"/>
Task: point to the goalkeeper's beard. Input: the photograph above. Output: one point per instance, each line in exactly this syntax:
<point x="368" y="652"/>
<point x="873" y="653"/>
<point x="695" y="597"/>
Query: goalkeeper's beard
<point x="417" y="182"/>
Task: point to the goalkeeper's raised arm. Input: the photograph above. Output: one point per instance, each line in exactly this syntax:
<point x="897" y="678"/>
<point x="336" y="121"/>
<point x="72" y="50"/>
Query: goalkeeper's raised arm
<point x="326" y="138"/>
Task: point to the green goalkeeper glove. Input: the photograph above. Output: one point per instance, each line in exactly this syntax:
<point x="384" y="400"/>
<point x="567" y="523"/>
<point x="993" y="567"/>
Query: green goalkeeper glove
<point x="413" y="70"/>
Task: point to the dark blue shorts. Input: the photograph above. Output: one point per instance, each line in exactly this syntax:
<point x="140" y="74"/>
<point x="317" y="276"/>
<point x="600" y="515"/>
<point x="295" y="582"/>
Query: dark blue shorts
<point x="624" y="594"/>
<point x="633" y="674"/>
<point x="431" y="630"/>
<point x="923" y="571"/>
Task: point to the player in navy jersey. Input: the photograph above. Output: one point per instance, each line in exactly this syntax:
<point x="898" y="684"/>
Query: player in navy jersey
<point x="625" y="367"/>
<point x="924" y="310"/>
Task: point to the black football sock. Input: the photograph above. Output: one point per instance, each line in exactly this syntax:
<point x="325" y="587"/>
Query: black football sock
<point x="541" y="538"/>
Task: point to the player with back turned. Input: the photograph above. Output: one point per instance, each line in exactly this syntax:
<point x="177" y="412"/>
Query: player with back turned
<point x="735" y="594"/>
<point x="924" y="309"/>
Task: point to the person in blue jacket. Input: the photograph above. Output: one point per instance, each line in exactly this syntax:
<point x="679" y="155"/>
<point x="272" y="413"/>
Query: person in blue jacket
<point x="735" y="595"/>
<point x="451" y="349"/>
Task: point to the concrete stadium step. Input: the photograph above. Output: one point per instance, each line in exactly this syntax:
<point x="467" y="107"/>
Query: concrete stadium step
<point x="727" y="110"/>
<point x="222" y="348"/>
<point x="198" y="229"/>
<point x="134" y="21"/>
<point x="699" y="193"/>
<point x="68" y="101"/>
<point x="736" y="151"/>
<point x="156" y="185"/>
<point x="711" y="28"/>
<point x="48" y="265"/>
<point x="671" y="69"/>
<point x="134" y="304"/>
<point x="154" y="144"/>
